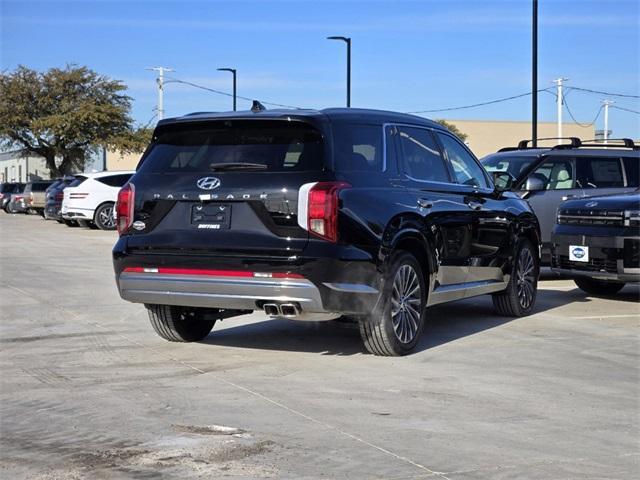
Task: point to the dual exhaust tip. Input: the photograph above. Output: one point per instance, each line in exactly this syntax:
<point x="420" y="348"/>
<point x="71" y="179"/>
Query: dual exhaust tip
<point x="281" y="309"/>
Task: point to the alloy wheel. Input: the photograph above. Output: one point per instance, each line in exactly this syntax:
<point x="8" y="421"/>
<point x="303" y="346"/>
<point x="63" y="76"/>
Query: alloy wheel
<point x="106" y="217"/>
<point x="525" y="278"/>
<point x="406" y="304"/>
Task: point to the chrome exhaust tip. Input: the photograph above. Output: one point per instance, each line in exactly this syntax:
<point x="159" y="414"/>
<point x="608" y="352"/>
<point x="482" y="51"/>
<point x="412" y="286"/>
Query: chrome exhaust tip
<point x="271" y="309"/>
<point x="289" y="310"/>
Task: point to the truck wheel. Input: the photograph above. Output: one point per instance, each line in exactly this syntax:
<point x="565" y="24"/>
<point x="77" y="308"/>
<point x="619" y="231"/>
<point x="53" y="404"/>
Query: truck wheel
<point x="179" y="324"/>
<point x="103" y="217"/>
<point x="598" y="287"/>
<point x="395" y="325"/>
<point x="520" y="295"/>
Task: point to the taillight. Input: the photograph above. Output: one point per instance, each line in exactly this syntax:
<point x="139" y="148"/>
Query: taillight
<point x="322" y="209"/>
<point x="59" y="196"/>
<point x="30" y="201"/>
<point x="124" y="208"/>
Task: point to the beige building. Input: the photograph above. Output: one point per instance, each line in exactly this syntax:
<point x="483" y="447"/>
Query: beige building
<point x="483" y="137"/>
<point x="14" y="167"/>
<point x="488" y="136"/>
<point x="121" y="161"/>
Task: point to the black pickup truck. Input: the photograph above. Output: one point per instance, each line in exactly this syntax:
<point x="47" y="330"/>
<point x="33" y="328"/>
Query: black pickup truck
<point x="314" y="215"/>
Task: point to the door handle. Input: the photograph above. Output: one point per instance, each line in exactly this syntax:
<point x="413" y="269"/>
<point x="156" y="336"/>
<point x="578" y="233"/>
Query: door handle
<point x="474" y="205"/>
<point x="424" y="203"/>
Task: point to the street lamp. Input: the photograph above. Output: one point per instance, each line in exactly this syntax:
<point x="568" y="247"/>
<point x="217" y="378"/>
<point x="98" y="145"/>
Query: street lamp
<point x="347" y="40"/>
<point x="233" y="71"/>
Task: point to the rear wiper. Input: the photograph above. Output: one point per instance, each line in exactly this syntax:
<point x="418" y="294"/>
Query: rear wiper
<point x="237" y="166"/>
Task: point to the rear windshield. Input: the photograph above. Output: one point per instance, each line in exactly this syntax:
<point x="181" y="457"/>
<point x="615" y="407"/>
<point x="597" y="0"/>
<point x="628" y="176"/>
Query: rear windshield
<point x="8" y="187"/>
<point x="77" y="181"/>
<point x="39" y="186"/>
<point x="276" y="146"/>
<point x="515" y="165"/>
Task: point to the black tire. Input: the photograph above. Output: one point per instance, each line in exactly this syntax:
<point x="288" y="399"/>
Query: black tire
<point x="519" y="298"/>
<point x="385" y="333"/>
<point x="598" y="287"/>
<point x="179" y="324"/>
<point x="69" y="223"/>
<point x="103" y="217"/>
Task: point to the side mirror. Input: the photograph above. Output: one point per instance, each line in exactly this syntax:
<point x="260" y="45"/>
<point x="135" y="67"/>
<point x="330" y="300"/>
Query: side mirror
<point x="502" y="181"/>
<point x="533" y="184"/>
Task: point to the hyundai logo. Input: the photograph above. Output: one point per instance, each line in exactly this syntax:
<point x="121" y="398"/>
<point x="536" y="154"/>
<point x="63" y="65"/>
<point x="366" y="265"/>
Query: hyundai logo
<point x="578" y="252"/>
<point x="591" y="204"/>
<point x="208" y="183"/>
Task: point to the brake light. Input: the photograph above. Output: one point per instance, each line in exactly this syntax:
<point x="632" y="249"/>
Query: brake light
<point x="124" y="208"/>
<point x="322" y="209"/>
<point x="59" y="196"/>
<point x="30" y="201"/>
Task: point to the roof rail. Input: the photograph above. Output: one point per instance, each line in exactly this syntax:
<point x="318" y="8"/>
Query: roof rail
<point x="600" y="142"/>
<point x="575" y="142"/>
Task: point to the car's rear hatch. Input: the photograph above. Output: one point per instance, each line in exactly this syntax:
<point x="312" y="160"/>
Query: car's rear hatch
<point x="226" y="187"/>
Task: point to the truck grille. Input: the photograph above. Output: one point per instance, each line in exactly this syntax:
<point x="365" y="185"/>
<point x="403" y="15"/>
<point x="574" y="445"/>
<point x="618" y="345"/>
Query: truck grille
<point x="593" y="265"/>
<point x="591" y="217"/>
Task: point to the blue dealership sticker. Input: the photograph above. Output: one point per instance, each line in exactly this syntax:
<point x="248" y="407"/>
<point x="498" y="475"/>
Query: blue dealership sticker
<point x="578" y="253"/>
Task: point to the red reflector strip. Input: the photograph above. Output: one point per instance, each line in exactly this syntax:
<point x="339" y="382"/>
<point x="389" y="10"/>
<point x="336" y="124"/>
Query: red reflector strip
<point x="213" y="273"/>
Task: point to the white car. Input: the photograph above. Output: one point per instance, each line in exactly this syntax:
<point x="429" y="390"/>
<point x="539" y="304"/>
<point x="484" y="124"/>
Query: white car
<point x="90" y="199"/>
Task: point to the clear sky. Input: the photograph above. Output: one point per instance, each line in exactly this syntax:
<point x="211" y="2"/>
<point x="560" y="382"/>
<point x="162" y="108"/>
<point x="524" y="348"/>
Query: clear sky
<point x="407" y="55"/>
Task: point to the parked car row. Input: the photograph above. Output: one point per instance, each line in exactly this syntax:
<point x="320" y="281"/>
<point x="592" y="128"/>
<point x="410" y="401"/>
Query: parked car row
<point x="85" y="199"/>
<point x="360" y="213"/>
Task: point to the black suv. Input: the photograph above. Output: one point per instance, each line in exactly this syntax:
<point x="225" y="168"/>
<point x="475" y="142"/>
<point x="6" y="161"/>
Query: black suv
<point x="548" y="176"/>
<point x="597" y="241"/>
<point x="314" y="215"/>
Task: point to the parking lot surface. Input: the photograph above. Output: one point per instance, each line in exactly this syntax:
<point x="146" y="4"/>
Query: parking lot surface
<point x="89" y="391"/>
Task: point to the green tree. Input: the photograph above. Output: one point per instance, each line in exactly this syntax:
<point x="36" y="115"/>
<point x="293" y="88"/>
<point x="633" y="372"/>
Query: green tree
<point x="64" y="115"/>
<point x="453" y="129"/>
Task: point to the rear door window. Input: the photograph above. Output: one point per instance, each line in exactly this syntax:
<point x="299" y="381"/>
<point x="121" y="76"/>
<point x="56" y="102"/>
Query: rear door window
<point x="421" y="156"/>
<point x="602" y="173"/>
<point x="275" y="146"/>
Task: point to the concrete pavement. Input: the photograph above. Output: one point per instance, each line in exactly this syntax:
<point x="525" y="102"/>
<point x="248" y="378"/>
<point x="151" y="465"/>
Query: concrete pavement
<point x="88" y="391"/>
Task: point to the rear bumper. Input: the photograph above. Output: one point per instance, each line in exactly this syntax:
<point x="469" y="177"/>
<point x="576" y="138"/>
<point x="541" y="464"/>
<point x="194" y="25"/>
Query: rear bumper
<point x="611" y="258"/>
<point x="314" y="285"/>
<point x="75" y="213"/>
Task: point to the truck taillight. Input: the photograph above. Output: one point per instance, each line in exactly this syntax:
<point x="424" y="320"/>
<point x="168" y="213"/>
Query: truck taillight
<point x="124" y="208"/>
<point x="59" y="196"/>
<point x="322" y="209"/>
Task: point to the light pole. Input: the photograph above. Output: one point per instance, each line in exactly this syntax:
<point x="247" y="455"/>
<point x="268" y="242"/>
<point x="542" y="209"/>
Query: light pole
<point x="534" y="75"/>
<point x="347" y="40"/>
<point x="160" y="80"/>
<point x="234" y="72"/>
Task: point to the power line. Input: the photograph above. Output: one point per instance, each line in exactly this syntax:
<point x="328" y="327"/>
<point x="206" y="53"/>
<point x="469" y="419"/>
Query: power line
<point x="490" y="102"/>
<point x="220" y="92"/>
<point x="625" y="109"/>
<point x="584" y="125"/>
<point x="604" y="93"/>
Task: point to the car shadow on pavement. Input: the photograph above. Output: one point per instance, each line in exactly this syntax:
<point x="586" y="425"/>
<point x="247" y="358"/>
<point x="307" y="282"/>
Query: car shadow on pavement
<point x="446" y="323"/>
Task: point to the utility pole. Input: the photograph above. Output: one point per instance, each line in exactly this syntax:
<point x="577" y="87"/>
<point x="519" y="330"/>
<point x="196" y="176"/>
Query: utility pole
<point x="606" y="104"/>
<point x="346" y="40"/>
<point x="234" y="72"/>
<point x="558" y="82"/>
<point x="534" y="75"/>
<point x="160" y="80"/>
